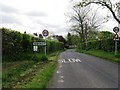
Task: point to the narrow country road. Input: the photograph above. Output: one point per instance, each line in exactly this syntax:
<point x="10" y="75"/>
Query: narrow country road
<point x="77" y="70"/>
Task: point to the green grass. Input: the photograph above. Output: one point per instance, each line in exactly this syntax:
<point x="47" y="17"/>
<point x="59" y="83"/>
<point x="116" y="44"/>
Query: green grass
<point x="43" y="76"/>
<point x="102" y="54"/>
<point x="13" y="73"/>
<point x="0" y="80"/>
<point x="29" y="74"/>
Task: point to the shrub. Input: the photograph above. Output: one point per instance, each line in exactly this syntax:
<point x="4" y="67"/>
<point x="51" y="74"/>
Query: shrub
<point x="44" y="58"/>
<point x="105" y="45"/>
<point x="35" y="58"/>
<point x="15" y="43"/>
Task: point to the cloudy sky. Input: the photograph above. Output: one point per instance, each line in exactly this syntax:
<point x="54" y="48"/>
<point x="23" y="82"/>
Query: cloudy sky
<point x="36" y="15"/>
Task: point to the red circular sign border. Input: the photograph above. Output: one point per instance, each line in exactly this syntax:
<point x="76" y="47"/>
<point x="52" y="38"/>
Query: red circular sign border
<point x="45" y="32"/>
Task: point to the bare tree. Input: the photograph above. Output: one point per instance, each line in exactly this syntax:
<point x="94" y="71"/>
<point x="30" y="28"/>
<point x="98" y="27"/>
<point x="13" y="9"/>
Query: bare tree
<point x="118" y="9"/>
<point x="79" y="18"/>
<point x="84" y="21"/>
<point x="112" y="7"/>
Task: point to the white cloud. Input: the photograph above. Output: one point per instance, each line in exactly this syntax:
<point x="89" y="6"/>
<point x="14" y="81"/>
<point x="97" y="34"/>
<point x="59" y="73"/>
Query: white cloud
<point x="108" y="26"/>
<point x="7" y="19"/>
<point x="7" y="9"/>
<point x="34" y="15"/>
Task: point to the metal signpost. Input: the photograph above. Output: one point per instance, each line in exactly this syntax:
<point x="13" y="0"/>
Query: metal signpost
<point x="35" y="46"/>
<point x="45" y="34"/>
<point x="116" y="30"/>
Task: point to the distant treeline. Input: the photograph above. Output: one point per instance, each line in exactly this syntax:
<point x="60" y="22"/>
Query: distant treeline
<point x="14" y="42"/>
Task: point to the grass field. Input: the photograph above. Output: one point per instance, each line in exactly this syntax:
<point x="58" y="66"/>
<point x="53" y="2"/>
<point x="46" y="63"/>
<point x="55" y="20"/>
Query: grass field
<point x="29" y="74"/>
<point x="102" y="54"/>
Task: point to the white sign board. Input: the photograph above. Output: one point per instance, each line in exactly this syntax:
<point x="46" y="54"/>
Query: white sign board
<point x="39" y="43"/>
<point x="35" y="48"/>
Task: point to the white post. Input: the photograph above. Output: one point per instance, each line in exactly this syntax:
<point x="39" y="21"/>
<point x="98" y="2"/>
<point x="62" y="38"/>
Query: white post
<point x="45" y="46"/>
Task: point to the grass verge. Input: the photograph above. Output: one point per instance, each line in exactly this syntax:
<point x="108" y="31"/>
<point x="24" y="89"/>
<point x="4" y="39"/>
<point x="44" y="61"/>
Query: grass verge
<point x="13" y="72"/>
<point x="42" y="74"/>
<point x="102" y="54"/>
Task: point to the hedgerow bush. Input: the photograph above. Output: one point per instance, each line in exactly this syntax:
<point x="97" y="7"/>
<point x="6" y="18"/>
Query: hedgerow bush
<point x="54" y="46"/>
<point x="44" y="58"/>
<point x="106" y="45"/>
<point x="15" y="45"/>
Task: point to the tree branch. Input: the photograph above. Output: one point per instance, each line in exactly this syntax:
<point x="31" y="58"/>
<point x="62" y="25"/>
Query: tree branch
<point x="107" y="6"/>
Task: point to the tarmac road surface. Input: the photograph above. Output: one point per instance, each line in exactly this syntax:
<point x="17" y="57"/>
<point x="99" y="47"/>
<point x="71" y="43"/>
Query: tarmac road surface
<point x="77" y="70"/>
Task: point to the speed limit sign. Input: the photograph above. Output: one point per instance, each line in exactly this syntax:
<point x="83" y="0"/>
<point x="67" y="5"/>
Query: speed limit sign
<point x="116" y="29"/>
<point x="45" y="33"/>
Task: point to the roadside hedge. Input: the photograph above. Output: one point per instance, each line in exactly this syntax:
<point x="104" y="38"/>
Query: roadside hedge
<point x="105" y="45"/>
<point x="15" y="43"/>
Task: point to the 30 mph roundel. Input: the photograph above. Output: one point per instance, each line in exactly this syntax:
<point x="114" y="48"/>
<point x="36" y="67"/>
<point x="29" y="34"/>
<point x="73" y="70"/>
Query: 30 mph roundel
<point x="45" y="32"/>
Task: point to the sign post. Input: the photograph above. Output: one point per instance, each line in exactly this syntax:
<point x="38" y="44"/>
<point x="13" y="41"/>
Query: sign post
<point x="116" y="30"/>
<point x="45" y="34"/>
<point x="35" y="46"/>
